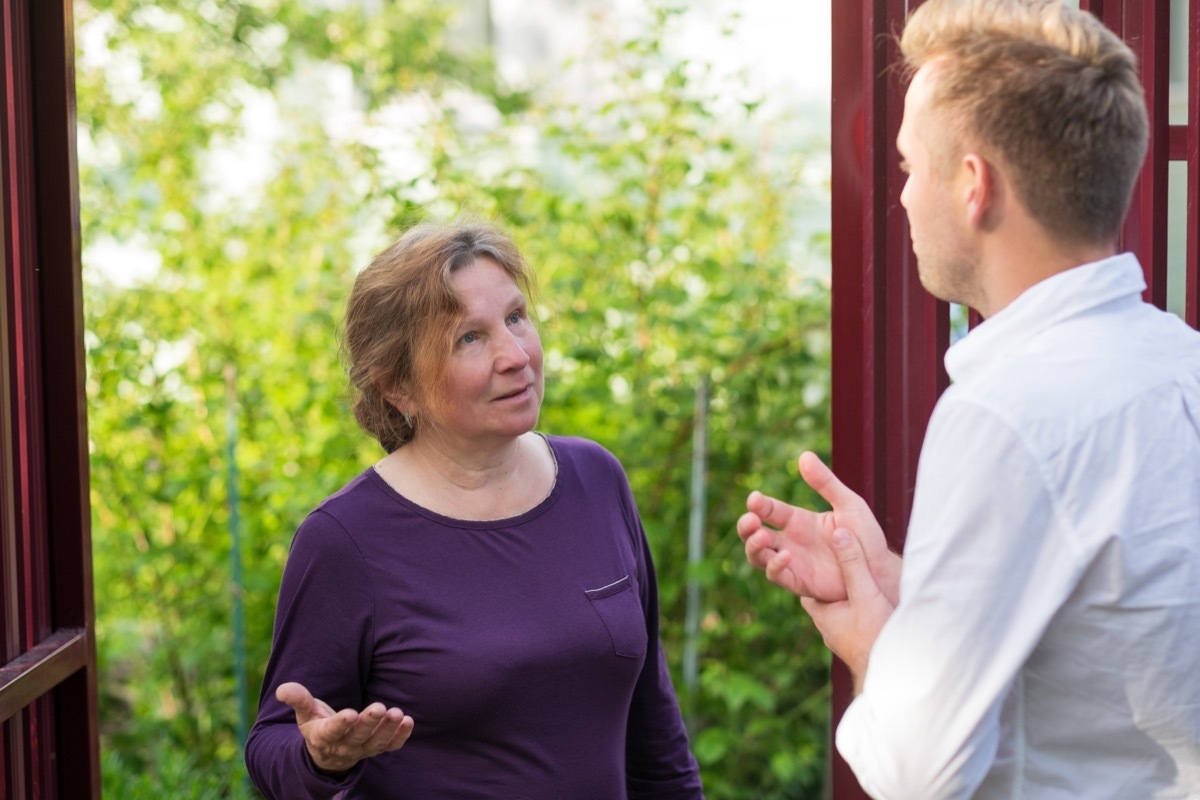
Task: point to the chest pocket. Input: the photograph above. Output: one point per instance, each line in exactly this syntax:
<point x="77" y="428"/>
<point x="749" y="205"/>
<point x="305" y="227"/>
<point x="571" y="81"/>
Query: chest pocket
<point x="621" y="612"/>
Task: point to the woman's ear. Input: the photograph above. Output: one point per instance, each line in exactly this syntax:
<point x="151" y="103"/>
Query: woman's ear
<point x="391" y="391"/>
<point x="398" y="400"/>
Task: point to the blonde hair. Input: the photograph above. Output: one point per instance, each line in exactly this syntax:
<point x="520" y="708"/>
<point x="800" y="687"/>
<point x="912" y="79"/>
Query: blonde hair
<point x="1052" y="92"/>
<point x="401" y="314"/>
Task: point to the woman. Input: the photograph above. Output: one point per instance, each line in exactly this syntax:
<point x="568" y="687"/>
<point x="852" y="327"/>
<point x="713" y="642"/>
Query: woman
<point x="481" y="604"/>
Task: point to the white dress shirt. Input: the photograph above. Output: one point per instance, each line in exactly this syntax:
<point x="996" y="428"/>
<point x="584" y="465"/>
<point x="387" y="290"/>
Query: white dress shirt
<point x="1047" y="639"/>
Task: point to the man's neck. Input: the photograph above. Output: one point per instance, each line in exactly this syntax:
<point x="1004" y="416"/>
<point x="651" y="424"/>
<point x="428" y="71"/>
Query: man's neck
<point x="1015" y="262"/>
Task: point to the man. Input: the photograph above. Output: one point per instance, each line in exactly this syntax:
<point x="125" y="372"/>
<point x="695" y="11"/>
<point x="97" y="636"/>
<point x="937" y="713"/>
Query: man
<point x="1041" y="636"/>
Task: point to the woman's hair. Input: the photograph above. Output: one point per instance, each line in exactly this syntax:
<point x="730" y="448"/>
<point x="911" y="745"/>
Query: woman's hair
<point x="401" y="315"/>
<point x="1050" y="92"/>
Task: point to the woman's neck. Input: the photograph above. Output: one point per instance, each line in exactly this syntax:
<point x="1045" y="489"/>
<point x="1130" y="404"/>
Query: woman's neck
<point x="482" y="484"/>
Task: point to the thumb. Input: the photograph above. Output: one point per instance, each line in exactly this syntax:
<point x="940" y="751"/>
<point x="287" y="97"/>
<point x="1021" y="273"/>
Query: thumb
<point x="855" y="573"/>
<point x="821" y="478"/>
<point x="296" y="696"/>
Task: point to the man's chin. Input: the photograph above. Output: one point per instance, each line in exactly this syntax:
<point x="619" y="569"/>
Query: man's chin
<point x="947" y="291"/>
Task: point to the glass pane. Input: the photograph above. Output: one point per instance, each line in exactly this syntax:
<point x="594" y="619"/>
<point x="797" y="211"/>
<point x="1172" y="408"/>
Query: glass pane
<point x="1179" y="62"/>
<point x="959" y="322"/>
<point x="1176" y="236"/>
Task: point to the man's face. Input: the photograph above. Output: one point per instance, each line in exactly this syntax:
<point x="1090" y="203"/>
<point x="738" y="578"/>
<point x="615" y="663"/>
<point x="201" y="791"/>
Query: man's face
<point x="932" y="199"/>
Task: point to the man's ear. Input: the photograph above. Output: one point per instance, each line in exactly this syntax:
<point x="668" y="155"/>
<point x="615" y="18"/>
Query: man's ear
<point x="981" y="191"/>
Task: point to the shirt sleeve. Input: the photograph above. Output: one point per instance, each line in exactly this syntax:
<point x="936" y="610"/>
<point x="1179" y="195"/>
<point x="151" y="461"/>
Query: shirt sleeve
<point x="987" y="565"/>
<point x="323" y="628"/>
<point x="659" y="764"/>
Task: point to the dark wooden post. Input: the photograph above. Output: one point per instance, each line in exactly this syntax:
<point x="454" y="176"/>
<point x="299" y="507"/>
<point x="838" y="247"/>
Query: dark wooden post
<point x="1189" y="150"/>
<point x="888" y="333"/>
<point x="49" y="740"/>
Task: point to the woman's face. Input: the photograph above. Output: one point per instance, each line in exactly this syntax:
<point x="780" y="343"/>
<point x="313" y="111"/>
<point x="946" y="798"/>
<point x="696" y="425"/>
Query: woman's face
<point x="493" y="387"/>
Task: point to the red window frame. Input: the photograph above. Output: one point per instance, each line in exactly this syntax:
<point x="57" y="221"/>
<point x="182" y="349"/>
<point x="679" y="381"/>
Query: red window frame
<point x="49" y="736"/>
<point x="888" y="334"/>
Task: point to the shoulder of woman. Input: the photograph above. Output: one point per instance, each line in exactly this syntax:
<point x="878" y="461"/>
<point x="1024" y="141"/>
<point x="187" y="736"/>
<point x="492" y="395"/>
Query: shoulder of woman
<point x="585" y="453"/>
<point x="579" y="446"/>
<point x="327" y="527"/>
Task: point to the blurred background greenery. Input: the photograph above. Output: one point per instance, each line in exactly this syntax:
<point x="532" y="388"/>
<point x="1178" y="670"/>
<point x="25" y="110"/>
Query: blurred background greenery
<point x="241" y="159"/>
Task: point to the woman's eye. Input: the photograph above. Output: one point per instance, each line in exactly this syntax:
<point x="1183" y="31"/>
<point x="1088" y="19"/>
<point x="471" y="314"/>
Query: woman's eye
<point x="514" y="318"/>
<point x="467" y="338"/>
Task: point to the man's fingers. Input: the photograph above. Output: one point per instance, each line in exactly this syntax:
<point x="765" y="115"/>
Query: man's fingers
<point x="821" y="478"/>
<point x="760" y="547"/>
<point x="756" y="501"/>
<point x="747" y="524"/>
<point x="852" y="560"/>
<point x="778" y="569"/>
<point x="769" y="511"/>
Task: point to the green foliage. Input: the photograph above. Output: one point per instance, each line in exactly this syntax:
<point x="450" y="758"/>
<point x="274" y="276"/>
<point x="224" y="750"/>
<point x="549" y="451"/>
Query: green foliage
<point x="662" y="233"/>
<point x="179" y="776"/>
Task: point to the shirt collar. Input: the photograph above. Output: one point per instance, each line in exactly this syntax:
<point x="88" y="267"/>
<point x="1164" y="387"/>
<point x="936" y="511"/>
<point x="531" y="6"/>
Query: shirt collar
<point x="1041" y="306"/>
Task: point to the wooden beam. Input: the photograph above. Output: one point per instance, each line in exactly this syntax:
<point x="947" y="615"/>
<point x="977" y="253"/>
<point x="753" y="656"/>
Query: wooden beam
<point x="37" y="671"/>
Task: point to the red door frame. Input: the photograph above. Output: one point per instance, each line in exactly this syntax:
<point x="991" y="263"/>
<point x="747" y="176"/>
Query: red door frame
<point x="888" y="334"/>
<point x="49" y="736"/>
<point x="888" y="339"/>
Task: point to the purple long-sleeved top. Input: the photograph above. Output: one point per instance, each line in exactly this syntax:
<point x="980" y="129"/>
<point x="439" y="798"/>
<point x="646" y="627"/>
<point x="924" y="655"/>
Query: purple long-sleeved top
<point x="526" y="650"/>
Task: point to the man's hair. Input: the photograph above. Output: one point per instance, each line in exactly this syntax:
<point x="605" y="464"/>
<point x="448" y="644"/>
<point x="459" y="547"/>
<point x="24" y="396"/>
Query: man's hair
<point x="1048" y="91"/>
<point x="401" y="315"/>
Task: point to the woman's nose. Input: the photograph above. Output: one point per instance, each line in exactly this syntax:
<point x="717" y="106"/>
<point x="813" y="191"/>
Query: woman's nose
<point x="511" y="353"/>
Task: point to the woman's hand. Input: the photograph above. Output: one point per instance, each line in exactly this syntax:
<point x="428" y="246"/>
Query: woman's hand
<point x="339" y="740"/>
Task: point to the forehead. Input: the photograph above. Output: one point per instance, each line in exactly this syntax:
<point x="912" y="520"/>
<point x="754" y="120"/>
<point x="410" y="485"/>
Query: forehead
<point x="916" y="109"/>
<point x="483" y="281"/>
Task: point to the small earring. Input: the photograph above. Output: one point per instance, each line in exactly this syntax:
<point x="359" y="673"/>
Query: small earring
<point x="408" y="420"/>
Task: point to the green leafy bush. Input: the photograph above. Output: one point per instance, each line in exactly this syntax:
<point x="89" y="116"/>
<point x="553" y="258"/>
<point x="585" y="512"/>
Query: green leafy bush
<point x="665" y="237"/>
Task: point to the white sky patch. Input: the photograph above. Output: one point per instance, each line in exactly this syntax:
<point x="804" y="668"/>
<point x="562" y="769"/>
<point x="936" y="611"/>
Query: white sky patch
<point x="169" y="356"/>
<point x="92" y="39"/>
<point x="783" y="46"/>
<point x="123" y="265"/>
<point x="343" y="115"/>
<point x="392" y="132"/>
<point x="159" y="19"/>
<point x="240" y="167"/>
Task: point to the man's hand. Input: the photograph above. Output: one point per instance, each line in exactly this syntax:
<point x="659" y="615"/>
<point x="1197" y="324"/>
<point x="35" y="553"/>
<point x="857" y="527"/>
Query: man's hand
<point x="851" y="626"/>
<point x="791" y="544"/>
<point x="338" y="741"/>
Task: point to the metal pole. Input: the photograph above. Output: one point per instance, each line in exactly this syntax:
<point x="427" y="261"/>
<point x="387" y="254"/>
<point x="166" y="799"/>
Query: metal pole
<point x="695" y="547"/>
<point x="235" y="555"/>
